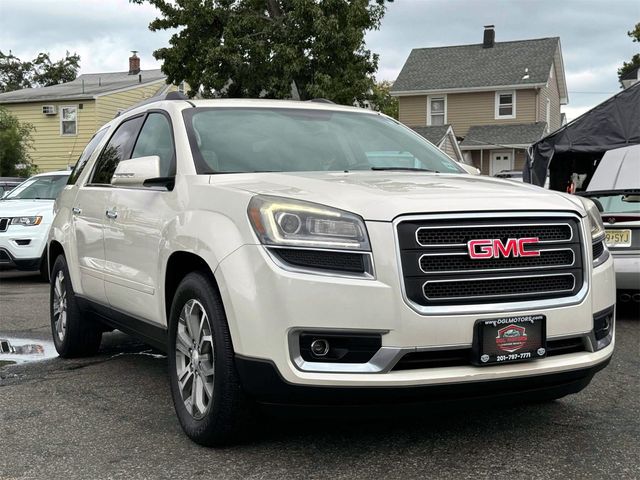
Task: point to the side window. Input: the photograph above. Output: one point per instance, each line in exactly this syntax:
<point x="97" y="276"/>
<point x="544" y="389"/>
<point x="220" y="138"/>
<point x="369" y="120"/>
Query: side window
<point x="117" y="149"/>
<point x="88" y="150"/>
<point x="156" y="139"/>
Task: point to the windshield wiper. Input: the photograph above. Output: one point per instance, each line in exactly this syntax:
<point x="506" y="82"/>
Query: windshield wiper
<point x="407" y="169"/>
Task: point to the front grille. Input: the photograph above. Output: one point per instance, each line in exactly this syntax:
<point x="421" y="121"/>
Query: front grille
<point x="598" y="249"/>
<point x="322" y="259"/>
<point x="4" y="224"/>
<point x="497" y="287"/>
<point x="439" y="271"/>
<point x="460" y="235"/>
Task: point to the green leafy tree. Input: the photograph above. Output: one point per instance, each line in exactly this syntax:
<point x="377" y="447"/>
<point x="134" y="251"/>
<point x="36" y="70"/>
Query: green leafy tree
<point x="15" y="142"/>
<point x="635" y="60"/>
<point x="14" y="73"/>
<point x="270" y="48"/>
<point x="40" y="72"/>
<point x="381" y="99"/>
<point x="46" y="72"/>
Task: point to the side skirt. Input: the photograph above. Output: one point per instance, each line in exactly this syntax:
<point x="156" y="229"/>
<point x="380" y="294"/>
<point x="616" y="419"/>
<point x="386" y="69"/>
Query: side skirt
<point x="151" y="333"/>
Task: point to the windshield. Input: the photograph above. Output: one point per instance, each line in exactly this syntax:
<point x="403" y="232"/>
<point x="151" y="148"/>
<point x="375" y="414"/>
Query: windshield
<point x="39" y="188"/>
<point x="618" y="203"/>
<point x="295" y="140"/>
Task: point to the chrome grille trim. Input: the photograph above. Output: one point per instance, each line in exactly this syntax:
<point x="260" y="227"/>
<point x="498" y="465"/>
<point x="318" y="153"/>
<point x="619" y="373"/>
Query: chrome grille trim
<point x="509" y="305"/>
<point x="436" y="245"/>
<point x="485" y="279"/>
<point x="496" y="270"/>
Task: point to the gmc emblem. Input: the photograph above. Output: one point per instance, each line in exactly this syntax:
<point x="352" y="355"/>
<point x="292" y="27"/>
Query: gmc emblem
<point x="494" y="248"/>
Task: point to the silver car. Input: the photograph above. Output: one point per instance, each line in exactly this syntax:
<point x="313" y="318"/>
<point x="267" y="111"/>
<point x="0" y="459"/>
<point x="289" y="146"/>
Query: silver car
<point x="615" y="188"/>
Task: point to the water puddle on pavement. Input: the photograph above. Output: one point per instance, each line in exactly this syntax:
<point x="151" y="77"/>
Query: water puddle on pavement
<point x="22" y="350"/>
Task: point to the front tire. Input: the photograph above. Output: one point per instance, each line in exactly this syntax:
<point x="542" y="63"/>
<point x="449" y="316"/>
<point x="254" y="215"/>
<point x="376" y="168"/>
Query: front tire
<point x="204" y="384"/>
<point x="74" y="334"/>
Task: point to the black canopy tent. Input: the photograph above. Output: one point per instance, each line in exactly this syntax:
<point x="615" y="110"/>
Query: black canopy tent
<point x="578" y="146"/>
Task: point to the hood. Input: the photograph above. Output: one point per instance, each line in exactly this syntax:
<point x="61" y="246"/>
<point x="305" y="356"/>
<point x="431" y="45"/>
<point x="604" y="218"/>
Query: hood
<point x="382" y="196"/>
<point x="22" y="208"/>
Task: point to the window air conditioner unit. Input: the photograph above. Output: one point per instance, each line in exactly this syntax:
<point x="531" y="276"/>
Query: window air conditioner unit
<point x="49" y="110"/>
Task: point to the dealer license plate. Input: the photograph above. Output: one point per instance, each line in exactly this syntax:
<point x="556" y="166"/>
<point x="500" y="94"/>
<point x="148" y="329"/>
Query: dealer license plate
<point x="510" y="339"/>
<point x="618" y="238"/>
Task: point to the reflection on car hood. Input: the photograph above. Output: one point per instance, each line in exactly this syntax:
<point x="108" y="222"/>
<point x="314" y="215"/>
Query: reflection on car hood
<point x="386" y="195"/>
<point x="17" y="208"/>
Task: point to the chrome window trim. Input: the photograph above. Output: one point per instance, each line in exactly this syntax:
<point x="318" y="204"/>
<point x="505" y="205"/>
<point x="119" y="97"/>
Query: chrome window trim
<point x="436" y="245"/>
<point x="573" y="262"/>
<point x="485" y="279"/>
<point x="498" y="307"/>
<point x="369" y="273"/>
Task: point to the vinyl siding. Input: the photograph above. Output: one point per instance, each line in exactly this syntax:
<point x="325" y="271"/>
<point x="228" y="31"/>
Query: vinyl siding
<point x="413" y="110"/>
<point x="465" y="110"/>
<point x="50" y="150"/>
<point x="107" y="106"/>
<point x="552" y="92"/>
<point x="448" y="148"/>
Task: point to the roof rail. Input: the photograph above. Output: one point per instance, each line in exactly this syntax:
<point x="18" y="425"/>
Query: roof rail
<point x="158" y="98"/>
<point x="321" y="100"/>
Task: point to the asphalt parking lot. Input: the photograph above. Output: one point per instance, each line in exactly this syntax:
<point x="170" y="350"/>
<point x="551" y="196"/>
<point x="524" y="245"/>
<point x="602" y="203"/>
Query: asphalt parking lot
<point x="111" y="416"/>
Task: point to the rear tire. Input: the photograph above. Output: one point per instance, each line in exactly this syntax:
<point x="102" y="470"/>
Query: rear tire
<point x="74" y="333"/>
<point x="206" y="391"/>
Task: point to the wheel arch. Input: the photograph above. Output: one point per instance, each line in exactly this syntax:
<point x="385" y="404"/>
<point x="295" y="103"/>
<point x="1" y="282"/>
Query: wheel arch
<point x="55" y="249"/>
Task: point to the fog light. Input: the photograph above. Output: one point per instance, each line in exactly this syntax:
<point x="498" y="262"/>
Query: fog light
<point x="320" y="347"/>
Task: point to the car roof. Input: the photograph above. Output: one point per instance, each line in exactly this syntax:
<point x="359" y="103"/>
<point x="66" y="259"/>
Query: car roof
<point x="48" y="174"/>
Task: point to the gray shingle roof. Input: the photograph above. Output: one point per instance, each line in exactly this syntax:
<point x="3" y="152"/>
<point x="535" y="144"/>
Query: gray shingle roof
<point x="94" y="84"/>
<point x="507" y="135"/>
<point x="468" y="66"/>
<point x="432" y="133"/>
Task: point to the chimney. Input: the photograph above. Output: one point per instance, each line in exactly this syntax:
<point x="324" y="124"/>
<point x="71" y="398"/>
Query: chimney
<point x="489" y="36"/>
<point x="134" y="63"/>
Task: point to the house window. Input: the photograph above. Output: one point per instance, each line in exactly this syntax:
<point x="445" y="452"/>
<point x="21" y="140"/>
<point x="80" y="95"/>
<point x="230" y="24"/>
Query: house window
<point x="505" y="105"/>
<point x="68" y="120"/>
<point x="437" y="110"/>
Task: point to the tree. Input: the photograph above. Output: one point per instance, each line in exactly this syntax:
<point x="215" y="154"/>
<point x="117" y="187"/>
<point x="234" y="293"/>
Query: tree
<point x="15" y="142"/>
<point x="46" y="72"/>
<point x="270" y="48"/>
<point x="381" y="99"/>
<point x="40" y="72"/>
<point x="635" y="60"/>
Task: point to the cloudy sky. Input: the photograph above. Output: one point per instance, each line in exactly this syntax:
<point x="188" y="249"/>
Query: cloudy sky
<point x="592" y="32"/>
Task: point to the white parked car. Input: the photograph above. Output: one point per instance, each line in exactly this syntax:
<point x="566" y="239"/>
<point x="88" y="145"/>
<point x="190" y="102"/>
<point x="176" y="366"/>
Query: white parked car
<point x="615" y="187"/>
<point x="26" y="214"/>
<point x="255" y="242"/>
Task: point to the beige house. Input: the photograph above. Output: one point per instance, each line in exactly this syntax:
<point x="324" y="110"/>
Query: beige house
<point x="499" y="97"/>
<point x="66" y="116"/>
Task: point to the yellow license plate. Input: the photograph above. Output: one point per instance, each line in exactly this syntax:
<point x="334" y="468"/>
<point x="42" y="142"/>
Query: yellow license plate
<point x="618" y="238"/>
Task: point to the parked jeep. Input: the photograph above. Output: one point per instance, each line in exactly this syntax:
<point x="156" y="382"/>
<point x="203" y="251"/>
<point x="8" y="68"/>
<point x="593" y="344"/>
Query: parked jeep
<point x="257" y="244"/>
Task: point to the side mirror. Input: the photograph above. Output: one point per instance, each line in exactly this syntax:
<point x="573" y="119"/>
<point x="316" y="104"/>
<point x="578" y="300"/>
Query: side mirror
<point x="134" y="172"/>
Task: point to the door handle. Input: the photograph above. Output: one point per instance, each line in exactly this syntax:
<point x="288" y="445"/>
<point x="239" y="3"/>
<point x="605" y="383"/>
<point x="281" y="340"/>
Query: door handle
<point x="111" y="214"/>
<point x="76" y="210"/>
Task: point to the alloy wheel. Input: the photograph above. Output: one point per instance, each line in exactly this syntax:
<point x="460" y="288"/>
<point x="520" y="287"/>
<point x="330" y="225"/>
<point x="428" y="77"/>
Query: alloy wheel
<point x="195" y="359"/>
<point x="60" y="306"/>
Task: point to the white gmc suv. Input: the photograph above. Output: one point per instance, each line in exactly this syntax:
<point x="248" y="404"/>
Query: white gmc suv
<point x="308" y="253"/>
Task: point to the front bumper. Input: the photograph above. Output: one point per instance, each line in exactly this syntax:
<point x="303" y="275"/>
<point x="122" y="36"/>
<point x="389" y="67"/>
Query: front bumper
<point x="266" y="304"/>
<point x="627" y="266"/>
<point x="22" y="247"/>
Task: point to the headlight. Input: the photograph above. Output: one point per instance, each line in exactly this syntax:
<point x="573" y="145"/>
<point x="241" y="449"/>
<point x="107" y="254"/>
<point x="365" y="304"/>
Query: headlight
<point x="26" y="221"/>
<point x="595" y="219"/>
<point x="294" y="223"/>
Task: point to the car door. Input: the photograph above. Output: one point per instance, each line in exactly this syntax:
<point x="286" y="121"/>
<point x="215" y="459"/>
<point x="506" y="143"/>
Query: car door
<point x="89" y="210"/>
<point x="134" y="233"/>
